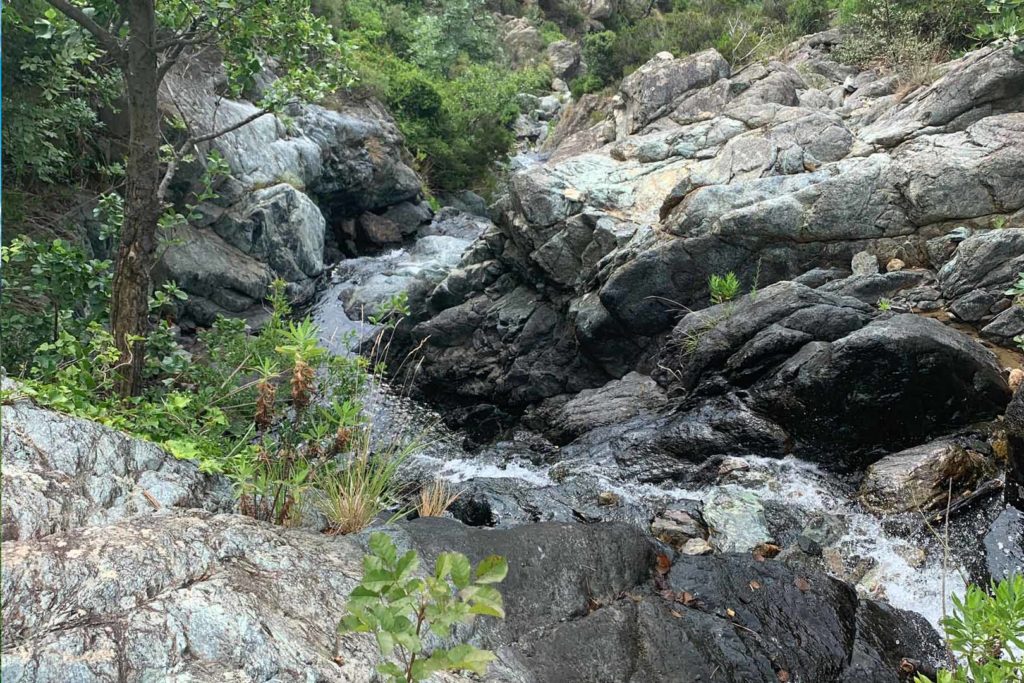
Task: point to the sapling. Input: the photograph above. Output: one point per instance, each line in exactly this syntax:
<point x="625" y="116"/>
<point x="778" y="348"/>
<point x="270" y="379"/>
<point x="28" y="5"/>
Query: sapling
<point x="401" y="608"/>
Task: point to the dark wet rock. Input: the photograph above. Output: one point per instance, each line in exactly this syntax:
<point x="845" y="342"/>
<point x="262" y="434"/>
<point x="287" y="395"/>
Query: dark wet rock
<point x="823" y="367"/>
<point x="564" y="418"/>
<point x="1005" y="327"/>
<point x="918" y="479"/>
<point x="736" y="520"/>
<point x="1003" y="545"/>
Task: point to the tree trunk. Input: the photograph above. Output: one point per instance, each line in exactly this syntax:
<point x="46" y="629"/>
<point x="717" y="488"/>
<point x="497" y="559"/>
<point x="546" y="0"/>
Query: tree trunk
<point x="129" y="314"/>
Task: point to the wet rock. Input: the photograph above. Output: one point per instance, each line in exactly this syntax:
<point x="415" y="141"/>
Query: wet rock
<point x="378" y="230"/>
<point x="1003" y="544"/>
<point x="676" y="527"/>
<point x="982" y="268"/>
<point x="736" y="520"/>
<point x="615" y="402"/>
<point x="917" y="479"/>
<point x="608" y="498"/>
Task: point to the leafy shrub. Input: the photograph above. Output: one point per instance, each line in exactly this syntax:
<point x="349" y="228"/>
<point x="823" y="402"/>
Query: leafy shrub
<point x="585" y="84"/>
<point x="549" y="32"/>
<point x="723" y="288"/>
<point x="1004" y="22"/>
<point x="599" y="54"/>
<point x="985" y="631"/>
<point x="401" y="609"/>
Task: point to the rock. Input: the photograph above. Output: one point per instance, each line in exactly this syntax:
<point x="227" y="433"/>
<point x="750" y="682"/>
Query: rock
<point x="917" y="479"/>
<point x="283" y="228"/>
<point x="894" y="265"/>
<point x="696" y="546"/>
<point x="983" y="265"/>
<point x="1003" y="545"/>
<point x="676" y="527"/>
<point x="409" y="216"/>
<point x="220" y="279"/>
<point x="1016" y="379"/>
<point x="522" y="41"/>
<point x="821" y="367"/>
<point x="736" y="520"/>
<point x="732" y="464"/>
<point x="61" y="473"/>
<point x="466" y="201"/>
<point x="608" y="498"/>
<point x="378" y="230"/>
<point x="864" y="263"/>
<point x="1005" y="327"/>
<point x="615" y="402"/>
<point x="652" y="90"/>
<point x="282" y="181"/>
<point x="564" y="58"/>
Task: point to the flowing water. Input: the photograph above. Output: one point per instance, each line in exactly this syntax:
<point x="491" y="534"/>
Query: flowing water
<point x="910" y="570"/>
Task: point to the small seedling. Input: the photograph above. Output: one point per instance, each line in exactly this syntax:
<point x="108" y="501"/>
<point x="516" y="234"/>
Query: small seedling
<point x="401" y="609"/>
<point x="723" y="288"/>
<point x="884" y="304"/>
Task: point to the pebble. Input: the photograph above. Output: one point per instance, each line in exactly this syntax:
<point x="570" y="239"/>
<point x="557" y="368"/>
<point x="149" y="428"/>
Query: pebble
<point x="696" y="546"/>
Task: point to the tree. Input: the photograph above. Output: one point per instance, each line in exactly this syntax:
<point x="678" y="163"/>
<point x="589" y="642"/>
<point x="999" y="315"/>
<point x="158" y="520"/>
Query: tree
<point x="145" y="39"/>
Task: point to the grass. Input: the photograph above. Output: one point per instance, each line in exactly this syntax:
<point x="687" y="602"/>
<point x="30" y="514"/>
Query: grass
<point x="435" y="498"/>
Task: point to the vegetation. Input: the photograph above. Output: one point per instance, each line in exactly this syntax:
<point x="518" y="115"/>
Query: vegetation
<point x="435" y="498"/>
<point x="986" y="634"/>
<point x="723" y="287"/>
<point x="443" y="78"/>
<point x="401" y="609"/>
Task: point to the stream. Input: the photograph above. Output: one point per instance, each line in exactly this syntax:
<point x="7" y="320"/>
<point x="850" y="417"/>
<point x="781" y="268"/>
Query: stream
<point x="523" y="478"/>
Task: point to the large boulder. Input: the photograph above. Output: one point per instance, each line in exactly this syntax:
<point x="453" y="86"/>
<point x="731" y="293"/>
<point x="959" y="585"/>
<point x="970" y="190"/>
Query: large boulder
<point x="825" y="367"/>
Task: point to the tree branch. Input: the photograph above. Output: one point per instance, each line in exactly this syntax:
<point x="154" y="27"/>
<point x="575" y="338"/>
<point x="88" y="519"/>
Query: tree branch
<point x="105" y="38"/>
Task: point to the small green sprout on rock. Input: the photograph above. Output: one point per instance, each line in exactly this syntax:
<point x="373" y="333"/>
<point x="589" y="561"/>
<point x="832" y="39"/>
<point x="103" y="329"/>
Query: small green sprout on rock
<point x="401" y="608"/>
<point x="723" y="288"/>
<point x="884" y="304"/>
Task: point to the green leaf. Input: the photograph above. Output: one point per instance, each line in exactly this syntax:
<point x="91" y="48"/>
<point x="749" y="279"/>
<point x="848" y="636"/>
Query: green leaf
<point x="383" y="547"/>
<point x="468" y="658"/>
<point x="492" y="569"/>
<point x="407" y="565"/>
<point x="461" y="570"/>
<point x="386" y="642"/>
<point x="487" y="601"/>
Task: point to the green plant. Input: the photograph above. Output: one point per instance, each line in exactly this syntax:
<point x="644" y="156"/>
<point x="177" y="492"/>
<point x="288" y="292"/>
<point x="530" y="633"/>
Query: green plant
<point x="723" y="288"/>
<point x="435" y="498"/>
<point x="401" y="609"/>
<point x="999" y="222"/>
<point x="884" y="304"/>
<point x="599" y="54"/>
<point x="1005" y="22"/>
<point x="986" y="634"/>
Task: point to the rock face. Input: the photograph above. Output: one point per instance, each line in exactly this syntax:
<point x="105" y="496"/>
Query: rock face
<point x="694" y="170"/>
<point x="62" y="473"/>
<point x="289" y="186"/>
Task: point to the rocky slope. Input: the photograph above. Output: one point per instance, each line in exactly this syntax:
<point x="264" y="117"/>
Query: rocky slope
<point x="112" y="571"/>
<point x="777" y="172"/>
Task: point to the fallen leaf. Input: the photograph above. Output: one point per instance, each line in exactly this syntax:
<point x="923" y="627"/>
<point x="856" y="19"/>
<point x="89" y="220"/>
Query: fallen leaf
<point x="677" y="615"/>
<point x="802" y="583"/>
<point x="687" y="598"/>
<point x="754" y="585"/>
<point x="782" y="675"/>
<point x="730" y="612"/>
<point x="664" y="564"/>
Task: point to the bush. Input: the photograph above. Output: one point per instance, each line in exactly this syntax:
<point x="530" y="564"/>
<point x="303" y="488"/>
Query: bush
<point x="585" y="84"/>
<point x="401" y="609"/>
<point x="599" y="55"/>
<point x="985" y="631"/>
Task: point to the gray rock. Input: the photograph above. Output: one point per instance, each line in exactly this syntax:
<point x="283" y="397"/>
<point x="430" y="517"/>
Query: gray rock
<point x="864" y="263"/>
<point x="1005" y="327"/>
<point x="378" y="230"/>
<point x="61" y="473"/>
<point x="652" y="90"/>
<point x="917" y="479"/>
<point x="564" y="58"/>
